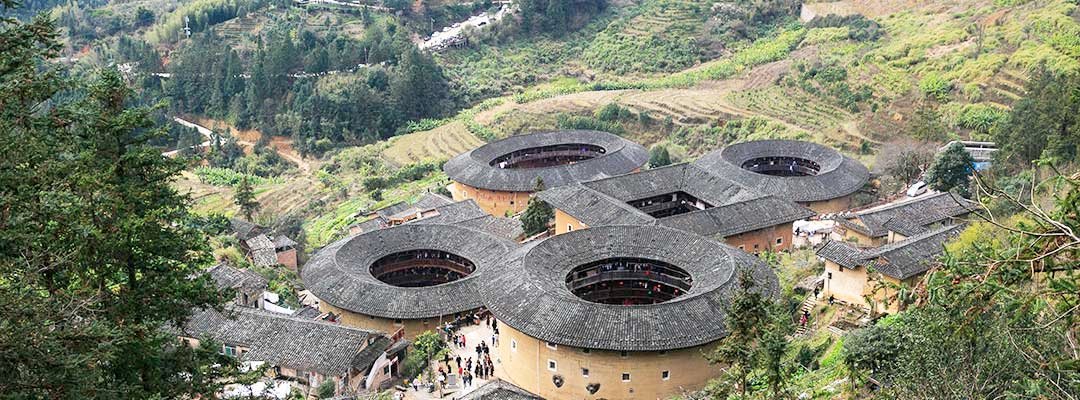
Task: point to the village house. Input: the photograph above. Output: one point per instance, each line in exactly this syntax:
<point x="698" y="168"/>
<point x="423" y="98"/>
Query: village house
<point x="500" y="390"/>
<point x="306" y="352"/>
<point x="681" y="196"/>
<point x="894" y="221"/>
<point x="249" y="286"/>
<point x="872" y="278"/>
<point x="264" y="248"/>
<point x="501" y="176"/>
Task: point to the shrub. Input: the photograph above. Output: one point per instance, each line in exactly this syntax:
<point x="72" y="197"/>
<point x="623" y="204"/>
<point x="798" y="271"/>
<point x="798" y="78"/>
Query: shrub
<point x="936" y="87"/>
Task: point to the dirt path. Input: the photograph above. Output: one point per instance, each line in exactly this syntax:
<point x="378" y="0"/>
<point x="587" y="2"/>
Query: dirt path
<point x="283" y="145"/>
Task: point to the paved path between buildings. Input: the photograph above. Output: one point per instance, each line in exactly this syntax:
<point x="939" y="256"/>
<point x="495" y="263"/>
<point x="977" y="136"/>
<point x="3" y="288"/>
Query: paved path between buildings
<point x="473" y="335"/>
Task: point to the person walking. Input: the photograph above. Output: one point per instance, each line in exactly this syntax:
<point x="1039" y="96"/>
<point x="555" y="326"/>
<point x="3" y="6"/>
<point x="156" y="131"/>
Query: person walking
<point x="458" y="360"/>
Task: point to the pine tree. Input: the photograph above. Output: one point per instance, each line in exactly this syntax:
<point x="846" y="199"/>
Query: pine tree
<point x="951" y="170"/>
<point x="244" y="197"/>
<point x="97" y="250"/>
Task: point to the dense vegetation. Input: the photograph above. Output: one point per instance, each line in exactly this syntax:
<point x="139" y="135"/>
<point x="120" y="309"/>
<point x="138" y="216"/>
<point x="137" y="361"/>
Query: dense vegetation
<point x="321" y="91"/>
<point x="97" y="249"/>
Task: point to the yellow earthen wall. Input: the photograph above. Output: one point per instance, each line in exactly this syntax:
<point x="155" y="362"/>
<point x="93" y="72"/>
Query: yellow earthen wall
<point x="493" y="202"/>
<point x="764" y="239"/>
<point x="527" y="366"/>
<point x="413" y="327"/>
<point x="566" y="223"/>
<point x="830" y="206"/>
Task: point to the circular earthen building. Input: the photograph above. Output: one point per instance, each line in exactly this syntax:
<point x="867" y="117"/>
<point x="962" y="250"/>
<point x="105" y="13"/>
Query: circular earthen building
<point x="500" y="176"/>
<point x="616" y="312"/>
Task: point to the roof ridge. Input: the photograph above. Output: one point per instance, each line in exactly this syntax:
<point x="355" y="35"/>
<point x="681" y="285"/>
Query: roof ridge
<point x="878" y="251"/>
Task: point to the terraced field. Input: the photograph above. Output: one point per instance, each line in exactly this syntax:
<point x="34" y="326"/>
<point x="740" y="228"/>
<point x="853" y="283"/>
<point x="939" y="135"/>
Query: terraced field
<point x="658" y="20"/>
<point x="440" y="143"/>
<point x="791" y="106"/>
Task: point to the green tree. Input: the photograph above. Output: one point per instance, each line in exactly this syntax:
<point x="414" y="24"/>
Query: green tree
<point x="419" y="88"/>
<point x="97" y="250"/>
<point x="927" y="124"/>
<point x="1045" y="123"/>
<point x="951" y="170"/>
<point x="998" y="314"/>
<point x="756" y="339"/>
<point x="244" y="197"/>
<point x="659" y="156"/>
<point x="538" y="214"/>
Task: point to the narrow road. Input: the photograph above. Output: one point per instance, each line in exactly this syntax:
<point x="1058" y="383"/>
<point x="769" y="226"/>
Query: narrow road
<point x="282" y="147"/>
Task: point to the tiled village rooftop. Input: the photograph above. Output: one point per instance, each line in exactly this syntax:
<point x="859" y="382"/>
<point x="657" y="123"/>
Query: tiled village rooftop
<point x="340" y="273"/>
<point x="908" y="217"/>
<point x="900" y="260"/>
<point x="288" y="341"/>
<point x="436" y="209"/>
<point x="474" y="168"/>
<point x="835" y="176"/>
<point x="226" y="277"/>
<point x="530" y="293"/>
<point x="734" y="208"/>
<point x="500" y="390"/>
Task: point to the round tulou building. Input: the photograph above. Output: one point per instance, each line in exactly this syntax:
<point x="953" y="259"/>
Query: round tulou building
<point x="501" y="175"/>
<point x="410" y="277"/>
<point x="616" y="312"/>
<point x="810" y="174"/>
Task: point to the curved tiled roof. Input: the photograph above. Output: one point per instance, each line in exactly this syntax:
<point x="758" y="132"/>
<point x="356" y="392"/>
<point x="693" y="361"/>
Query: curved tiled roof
<point x="838" y="176"/>
<point x="340" y="274"/>
<point x="473" y="167"/>
<point x="530" y="293"/>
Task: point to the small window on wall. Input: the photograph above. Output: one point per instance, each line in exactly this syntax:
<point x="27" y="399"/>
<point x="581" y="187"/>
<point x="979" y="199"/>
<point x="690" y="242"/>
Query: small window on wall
<point x="569" y="227"/>
<point x="513" y="344"/>
<point x="756" y="247"/>
<point x="741" y="247"/>
<point x="586" y="351"/>
<point x="511" y="202"/>
<point x="779" y="240"/>
<point x="585" y="372"/>
<point x="551" y="365"/>
<point x="624" y="354"/>
<point x="665" y="375"/>
<point x="552" y="346"/>
<point x="230" y="351"/>
<point x="626" y="377"/>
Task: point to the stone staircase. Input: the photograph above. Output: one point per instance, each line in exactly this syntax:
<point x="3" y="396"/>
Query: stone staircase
<point x="806" y="307"/>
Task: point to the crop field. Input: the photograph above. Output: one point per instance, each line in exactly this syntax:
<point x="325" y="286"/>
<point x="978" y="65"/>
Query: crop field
<point x="440" y="143"/>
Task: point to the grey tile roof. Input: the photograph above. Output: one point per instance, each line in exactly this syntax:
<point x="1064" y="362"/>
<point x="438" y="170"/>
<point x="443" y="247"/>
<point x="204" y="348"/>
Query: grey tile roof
<point x="500" y="390"/>
<point x="227" y="277"/>
<point x="245" y="230"/>
<point x="914" y="255"/>
<point x="736" y="208"/>
<point x="529" y="293"/>
<point x="281" y="241"/>
<point x="843" y="253"/>
<point x="900" y="260"/>
<point x="473" y="167"/>
<point x="288" y="341"/>
<point x="839" y="175"/>
<point x="909" y="216"/>
<point x="426" y="202"/>
<point x="340" y="275"/>
<point x="465" y="213"/>
<point x="262" y="250"/>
